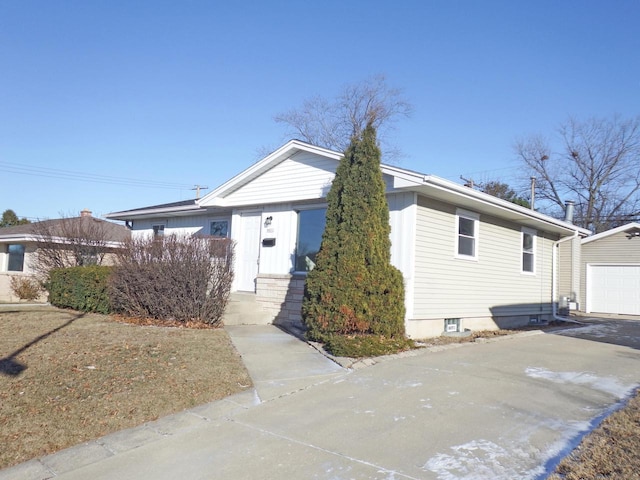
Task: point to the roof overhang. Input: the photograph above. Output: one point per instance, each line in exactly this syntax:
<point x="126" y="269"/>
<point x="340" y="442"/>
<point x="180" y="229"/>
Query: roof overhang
<point x="444" y="190"/>
<point x="30" y="238"/>
<point x="633" y="227"/>
<point x="156" y="212"/>
<point x="403" y="180"/>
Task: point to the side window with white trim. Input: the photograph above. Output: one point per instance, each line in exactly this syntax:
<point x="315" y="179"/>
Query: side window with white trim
<point x="467" y="229"/>
<point x="528" y="250"/>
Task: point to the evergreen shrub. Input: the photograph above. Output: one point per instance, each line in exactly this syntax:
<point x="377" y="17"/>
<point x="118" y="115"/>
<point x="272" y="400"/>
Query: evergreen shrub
<point x="353" y="288"/>
<point x="80" y="288"/>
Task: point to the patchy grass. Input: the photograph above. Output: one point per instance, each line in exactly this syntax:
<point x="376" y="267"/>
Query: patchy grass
<point x="610" y="451"/>
<point x="69" y="377"/>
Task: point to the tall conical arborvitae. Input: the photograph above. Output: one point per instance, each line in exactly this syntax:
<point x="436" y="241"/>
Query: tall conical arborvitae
<point x="353" y="288"/>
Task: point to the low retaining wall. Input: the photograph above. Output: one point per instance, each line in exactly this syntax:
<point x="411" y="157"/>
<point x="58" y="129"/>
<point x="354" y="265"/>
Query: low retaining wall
<point x="281" y="296"/>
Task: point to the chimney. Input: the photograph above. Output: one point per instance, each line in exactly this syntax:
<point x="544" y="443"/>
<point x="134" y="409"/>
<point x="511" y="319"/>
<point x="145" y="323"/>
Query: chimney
<point x="86" y="213"/>
<point x="568" y="211"/>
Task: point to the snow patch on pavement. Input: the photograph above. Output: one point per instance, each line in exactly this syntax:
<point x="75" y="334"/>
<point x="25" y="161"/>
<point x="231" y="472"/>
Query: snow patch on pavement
<point x="478" y="459"/>
<point x="600" y="330"/>
<point x="608" y="385"/>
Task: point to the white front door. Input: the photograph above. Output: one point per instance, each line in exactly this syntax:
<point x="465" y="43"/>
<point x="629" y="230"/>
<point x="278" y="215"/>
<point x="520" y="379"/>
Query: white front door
<point x="248" y="251"/>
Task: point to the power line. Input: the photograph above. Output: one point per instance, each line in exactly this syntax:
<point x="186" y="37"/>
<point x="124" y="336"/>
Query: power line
<point x="46" y="172"/>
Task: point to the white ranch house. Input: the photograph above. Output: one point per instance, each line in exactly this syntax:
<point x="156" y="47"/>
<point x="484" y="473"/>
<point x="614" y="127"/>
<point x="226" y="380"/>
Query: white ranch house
<point x="469" y="260"/>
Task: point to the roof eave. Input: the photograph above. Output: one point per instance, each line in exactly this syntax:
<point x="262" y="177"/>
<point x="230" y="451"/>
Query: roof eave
<point x="155" y="212"/>
<point x="498" y="207"/>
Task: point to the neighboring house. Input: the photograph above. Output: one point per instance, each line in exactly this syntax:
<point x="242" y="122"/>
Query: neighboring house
<point x="18" y="244"/>
<point x="610" y="271"/>
<point x="469" y="260"/>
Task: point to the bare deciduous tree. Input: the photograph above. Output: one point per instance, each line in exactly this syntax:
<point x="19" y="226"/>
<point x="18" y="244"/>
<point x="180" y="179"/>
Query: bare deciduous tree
<point x="597" y="166"/>
<point x="71" y="242"/>
<point x="331" y="123"/>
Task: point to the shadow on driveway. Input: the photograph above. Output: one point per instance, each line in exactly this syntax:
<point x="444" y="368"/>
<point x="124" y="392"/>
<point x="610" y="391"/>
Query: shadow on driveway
<point x="619" y="330"/>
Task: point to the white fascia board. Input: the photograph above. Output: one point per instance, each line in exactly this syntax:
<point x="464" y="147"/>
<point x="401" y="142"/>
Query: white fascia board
<point x="216" y="197"/>
<point x="501" y="205"/>
<point x="613" y="231"/>
<point x="154" y="212"/>
<point x="17" y="238"/>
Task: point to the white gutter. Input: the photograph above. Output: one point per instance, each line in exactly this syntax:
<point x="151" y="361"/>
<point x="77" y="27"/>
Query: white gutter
<point x="554" y="275"/>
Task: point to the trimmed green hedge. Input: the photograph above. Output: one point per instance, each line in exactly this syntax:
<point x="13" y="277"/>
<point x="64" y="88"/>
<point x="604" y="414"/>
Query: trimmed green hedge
<point x="80" y="288"/>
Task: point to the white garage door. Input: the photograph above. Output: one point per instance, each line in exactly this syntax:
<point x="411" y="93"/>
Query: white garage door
<point x="614" y="289"/>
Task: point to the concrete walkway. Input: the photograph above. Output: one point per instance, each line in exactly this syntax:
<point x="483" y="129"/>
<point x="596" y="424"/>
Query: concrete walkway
<point x="502" y="409"/>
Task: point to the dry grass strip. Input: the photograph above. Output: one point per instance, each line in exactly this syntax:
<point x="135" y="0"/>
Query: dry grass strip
<point x="611" y="451"/>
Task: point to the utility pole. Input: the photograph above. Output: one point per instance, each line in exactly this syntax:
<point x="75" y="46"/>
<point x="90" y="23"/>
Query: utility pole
<point x="533" y="192"/>
<point x="468" y="183"/>
<point x="197" y="188"/>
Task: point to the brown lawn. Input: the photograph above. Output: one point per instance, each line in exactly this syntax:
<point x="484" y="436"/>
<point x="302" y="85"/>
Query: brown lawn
<point x="69" y="377"/>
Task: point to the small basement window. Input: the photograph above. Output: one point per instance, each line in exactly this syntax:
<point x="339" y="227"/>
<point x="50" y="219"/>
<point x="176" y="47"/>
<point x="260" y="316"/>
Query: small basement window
<point x="451" y="325"/>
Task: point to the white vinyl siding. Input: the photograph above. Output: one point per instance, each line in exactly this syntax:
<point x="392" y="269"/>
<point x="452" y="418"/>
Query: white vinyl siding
<point x="302" y="177"/>
<point x="187" y="225"/>
<point x="569" y="271"/>
<point x="492" y="286"/>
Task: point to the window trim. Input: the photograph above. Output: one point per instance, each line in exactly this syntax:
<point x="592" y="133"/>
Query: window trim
<point x="220" y="220"/>
<point x="9" y="254"/>
<point x="475" y="218"/>
<point x="534" y="243"/>
<point x="297" y="211"/>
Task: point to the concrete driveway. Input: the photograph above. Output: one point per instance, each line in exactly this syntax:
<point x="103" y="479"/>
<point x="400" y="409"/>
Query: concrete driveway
<point x="506" y="409"/>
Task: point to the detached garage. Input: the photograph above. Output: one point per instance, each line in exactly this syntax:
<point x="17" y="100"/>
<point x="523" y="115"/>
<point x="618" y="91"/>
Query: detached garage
<point x="611" y="271"/>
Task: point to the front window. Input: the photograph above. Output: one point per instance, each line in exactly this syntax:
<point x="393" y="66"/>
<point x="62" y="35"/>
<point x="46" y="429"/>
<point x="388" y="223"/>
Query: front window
<point x="158" y="231"/>
<point x="467" y="234"/>
<point x="528" y="251"/>
<point x="219" y="228"/>
<point x="16" y="257"/>
<point x="310" y="229"/>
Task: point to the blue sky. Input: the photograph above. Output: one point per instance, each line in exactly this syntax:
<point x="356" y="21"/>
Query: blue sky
<point x="111" y="105"/>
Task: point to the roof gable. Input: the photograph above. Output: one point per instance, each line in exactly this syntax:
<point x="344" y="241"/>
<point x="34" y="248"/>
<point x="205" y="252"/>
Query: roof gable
<point x="299" y="171"/>
<point x="279" y="165"/>
<point x="629" y="227"/>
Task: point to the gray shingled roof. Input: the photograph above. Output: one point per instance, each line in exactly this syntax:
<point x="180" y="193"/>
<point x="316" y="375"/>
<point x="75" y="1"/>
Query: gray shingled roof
<point x="113" y="232"/>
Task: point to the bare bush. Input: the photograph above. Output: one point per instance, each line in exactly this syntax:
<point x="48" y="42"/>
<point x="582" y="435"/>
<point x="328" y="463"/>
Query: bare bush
<point x="25" y="288"/>
<point x="73" y="242"/>
<point x="174" y="278"/>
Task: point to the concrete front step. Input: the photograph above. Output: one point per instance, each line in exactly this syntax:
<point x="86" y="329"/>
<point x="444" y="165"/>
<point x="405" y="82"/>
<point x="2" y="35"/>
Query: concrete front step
<point x="244" y="309"/>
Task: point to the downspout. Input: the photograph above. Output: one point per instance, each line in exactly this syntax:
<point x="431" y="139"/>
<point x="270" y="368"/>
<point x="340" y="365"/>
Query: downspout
<point x="554" y="276"/>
